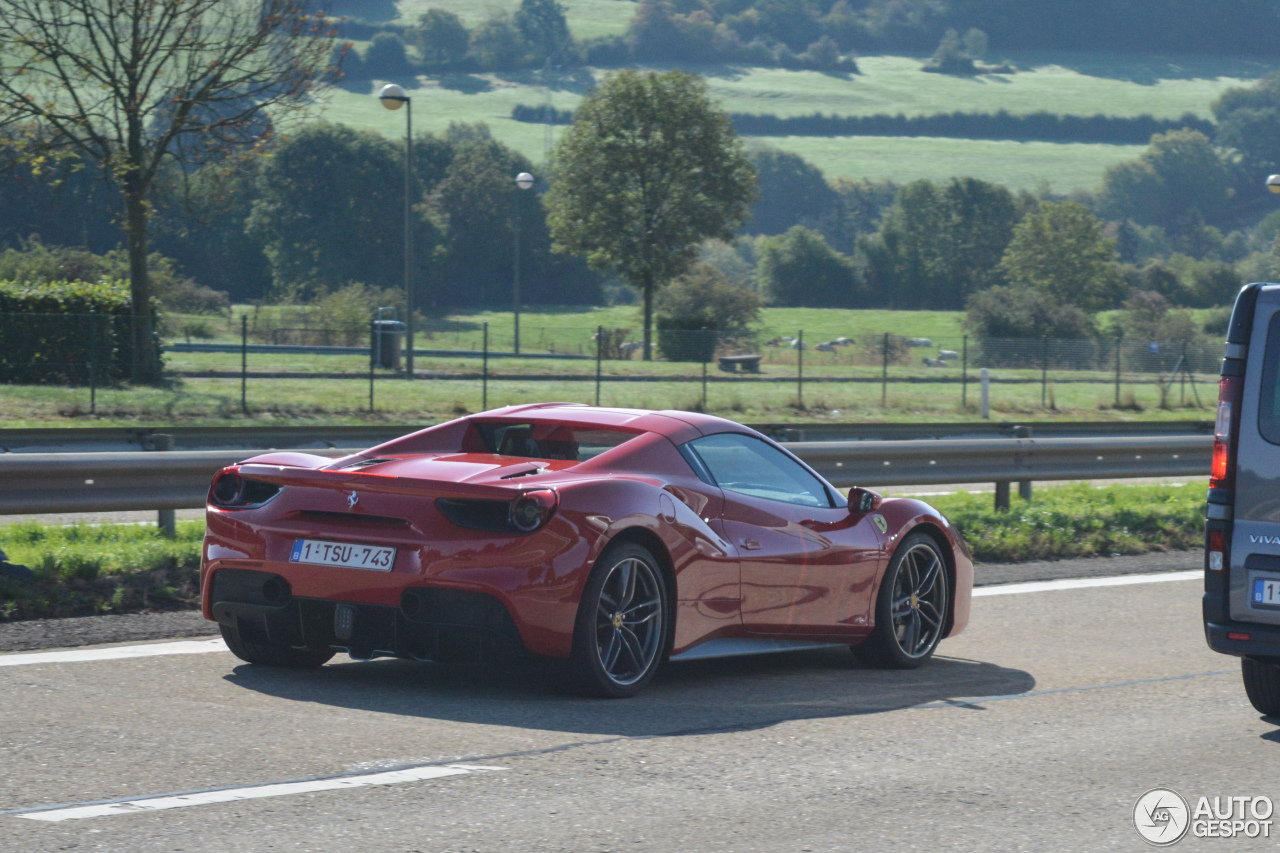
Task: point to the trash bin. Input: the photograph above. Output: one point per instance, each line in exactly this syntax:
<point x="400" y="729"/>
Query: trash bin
<point x="387" y="337"/>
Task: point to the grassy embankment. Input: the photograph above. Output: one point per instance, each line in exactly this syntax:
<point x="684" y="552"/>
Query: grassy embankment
<point x="215" y="398"/>
<point x="85" y="570"/>
<point x="1072" y="84"/>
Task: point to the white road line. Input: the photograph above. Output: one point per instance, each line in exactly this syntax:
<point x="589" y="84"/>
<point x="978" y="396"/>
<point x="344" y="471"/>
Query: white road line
<point x="147" y="650"/>
<point x="1084" y="583"/>
<point x="195" y="647"/>
<point x="253" y="792"/>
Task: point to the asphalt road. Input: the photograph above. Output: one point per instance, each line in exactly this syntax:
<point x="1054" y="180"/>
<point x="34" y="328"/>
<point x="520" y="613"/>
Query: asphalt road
<point x="1037" y="729"/>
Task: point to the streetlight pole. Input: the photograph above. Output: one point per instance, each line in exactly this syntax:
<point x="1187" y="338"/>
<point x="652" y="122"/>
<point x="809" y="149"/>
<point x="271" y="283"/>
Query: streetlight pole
<point x="524" y="181"/>
<point x="393" y="97"/>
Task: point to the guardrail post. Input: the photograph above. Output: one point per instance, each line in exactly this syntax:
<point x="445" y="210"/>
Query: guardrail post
<point x="1002" y="496"/>
<point x="1024" y="486"/>
<point x="164" y="518"/>
<point x="984" y="397"/>
<point x="244" y="362"/>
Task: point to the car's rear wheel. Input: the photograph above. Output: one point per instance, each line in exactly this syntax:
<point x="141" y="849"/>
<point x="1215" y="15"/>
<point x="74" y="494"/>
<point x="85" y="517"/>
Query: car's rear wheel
<point x="1262" y="684"/>
<point x="259" y="653"/>
<point x="620" y="636"/>
<point x="911" y="608"/>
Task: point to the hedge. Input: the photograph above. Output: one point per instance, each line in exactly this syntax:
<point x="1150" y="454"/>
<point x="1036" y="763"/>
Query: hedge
<point x="54" y="333"/>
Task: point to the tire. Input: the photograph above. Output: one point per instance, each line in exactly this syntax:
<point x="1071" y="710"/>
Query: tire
<point x="256" y="653"/>
<point x="620" y="634"/>
<point x="1262" y="684"/>
<point x="911" y="608"/>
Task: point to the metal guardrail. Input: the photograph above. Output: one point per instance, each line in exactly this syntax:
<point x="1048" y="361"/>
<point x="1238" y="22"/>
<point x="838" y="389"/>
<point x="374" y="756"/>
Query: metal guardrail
<point x="108" y="482"/>
<point x="88" y="439"/>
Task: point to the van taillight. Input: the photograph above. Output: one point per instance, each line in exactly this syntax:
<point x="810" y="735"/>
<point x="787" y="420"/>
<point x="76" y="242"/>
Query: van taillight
<point x="1219" y="475"/>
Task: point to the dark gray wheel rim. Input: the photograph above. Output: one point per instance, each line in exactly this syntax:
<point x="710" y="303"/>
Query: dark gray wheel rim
<point x="629" y="621"/>
<point x="919" y="601"/>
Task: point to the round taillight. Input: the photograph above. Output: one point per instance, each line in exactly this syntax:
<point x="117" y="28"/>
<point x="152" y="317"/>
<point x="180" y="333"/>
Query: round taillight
<point x="532" y="509"/>
<point x="227" y="488"/>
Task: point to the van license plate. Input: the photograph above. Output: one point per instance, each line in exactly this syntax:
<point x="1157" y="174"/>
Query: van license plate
<point x="1266" y="592"/>
<point x="376" y="558"/>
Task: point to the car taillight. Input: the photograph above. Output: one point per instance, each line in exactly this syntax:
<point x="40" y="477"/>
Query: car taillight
<point x="1216" y="543"/>
<point x="1220" y="472"/>
<point x="532" y="510"/>
<point x="231" y="491"/>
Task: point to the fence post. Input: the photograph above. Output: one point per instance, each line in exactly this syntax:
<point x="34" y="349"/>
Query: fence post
<point x="884" y="372"/>
<point x="164" y="518"/>
<point x="484" y="376"/>
<point x="964" y="374"/>
<point x="984" y="395"/>
<point x="1044" y="370"/>
<point x="93" y="362"/>
<point x="800" y="368"/>
<point x="1182" y="377"/>
<point x="705" y="358"/>
<point x="599" y="357"/>
<point x="1024" y="486"/>
<point x="1119" y="341"/>
<point x="244" y="363"/>
<point x="1002" y="496"/>
<point x="373" y="341"/>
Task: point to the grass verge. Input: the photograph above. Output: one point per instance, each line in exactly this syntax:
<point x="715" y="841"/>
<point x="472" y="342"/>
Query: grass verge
<point x="86" y="570"/>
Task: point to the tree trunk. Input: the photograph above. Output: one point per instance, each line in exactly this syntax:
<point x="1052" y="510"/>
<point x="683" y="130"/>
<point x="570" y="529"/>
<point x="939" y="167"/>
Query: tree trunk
<point x="144" y="368"/>
<point x="648" y="318"/>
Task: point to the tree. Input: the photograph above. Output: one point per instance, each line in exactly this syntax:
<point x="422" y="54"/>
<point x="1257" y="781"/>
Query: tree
<point x="496" y="43"/>
<point x="123" y="83"/>
<point x="798" y="268"/>
<point x="792" y="192"/>
<point x="1249" y="121"/>
<point x="542" y="26"/>
<point x="703" y="299"/>
<point x="1061" y="251"/>
<point x="1023" y="312"/>
<point x="442" y="38"/>
<point x="386" y="57"/>
<point x="1181" y="171"/>
<point x="648" y="170"/>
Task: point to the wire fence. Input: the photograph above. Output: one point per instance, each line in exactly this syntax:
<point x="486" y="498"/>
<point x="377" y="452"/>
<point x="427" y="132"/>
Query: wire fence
<point x="476" y="365"/>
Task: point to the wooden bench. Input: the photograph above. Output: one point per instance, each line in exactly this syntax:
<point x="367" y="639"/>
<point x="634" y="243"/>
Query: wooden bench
<point x="740" y="363"/>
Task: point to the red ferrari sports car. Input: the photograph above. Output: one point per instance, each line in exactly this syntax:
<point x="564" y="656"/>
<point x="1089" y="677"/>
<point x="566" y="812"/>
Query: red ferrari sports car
<point x="612" y="539"/>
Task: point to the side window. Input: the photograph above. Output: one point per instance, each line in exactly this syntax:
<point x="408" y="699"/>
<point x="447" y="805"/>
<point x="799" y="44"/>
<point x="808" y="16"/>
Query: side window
<point x="743" y="464"/>
<point x="1269" y="399"/>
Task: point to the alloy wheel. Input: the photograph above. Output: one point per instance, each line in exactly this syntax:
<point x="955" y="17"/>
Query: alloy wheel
<point x="628" y="621"/>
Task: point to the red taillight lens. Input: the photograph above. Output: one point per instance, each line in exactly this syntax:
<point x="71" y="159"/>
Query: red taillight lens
<point x="226" y="488"/>
<point x="532" y="509"/>
<point x="1220" y="472"/>
<point x="1217" y="540"/>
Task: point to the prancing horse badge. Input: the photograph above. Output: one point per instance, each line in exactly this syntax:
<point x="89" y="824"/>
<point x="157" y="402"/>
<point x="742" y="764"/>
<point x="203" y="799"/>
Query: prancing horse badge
<point x="353" y="499"/>
<point x="880" y="523"/>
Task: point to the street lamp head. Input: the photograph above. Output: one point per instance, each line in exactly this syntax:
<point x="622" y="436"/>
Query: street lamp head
<point x="1273" y="183"/>
<point x="392" y="96"/>
<point x="525" y="181"/>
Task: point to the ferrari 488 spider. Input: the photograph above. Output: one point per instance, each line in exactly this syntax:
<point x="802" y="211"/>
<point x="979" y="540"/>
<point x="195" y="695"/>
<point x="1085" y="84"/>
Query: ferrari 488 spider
<point x="611" y="539"/>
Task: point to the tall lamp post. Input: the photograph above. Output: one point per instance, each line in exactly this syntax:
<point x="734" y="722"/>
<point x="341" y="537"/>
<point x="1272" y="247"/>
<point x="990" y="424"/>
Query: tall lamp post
<point x="393" y="98"/>
<point x="524" y="181"/>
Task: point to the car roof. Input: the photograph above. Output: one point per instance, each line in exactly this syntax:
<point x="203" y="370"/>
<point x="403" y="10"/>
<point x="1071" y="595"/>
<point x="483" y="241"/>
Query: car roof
<point x="676" y="425"/>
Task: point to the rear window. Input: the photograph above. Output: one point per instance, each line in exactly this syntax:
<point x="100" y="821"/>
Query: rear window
<point x="548" y="441"/>
<point x="1269" y="401"/>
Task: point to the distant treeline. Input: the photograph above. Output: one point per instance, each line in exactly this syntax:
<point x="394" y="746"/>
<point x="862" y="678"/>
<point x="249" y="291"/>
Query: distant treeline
<point x="1041" y="126"/>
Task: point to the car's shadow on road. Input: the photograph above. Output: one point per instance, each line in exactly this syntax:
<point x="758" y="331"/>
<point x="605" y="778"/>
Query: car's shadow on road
<point x="686" y="698"/>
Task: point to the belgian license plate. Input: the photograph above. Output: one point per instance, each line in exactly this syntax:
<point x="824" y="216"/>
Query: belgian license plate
<point x="376" y="558"/>
<point x="1266" y="592"/>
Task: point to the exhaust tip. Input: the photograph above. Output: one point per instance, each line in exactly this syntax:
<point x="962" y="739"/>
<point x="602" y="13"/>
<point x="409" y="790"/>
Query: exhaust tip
<point x="275" y="590"/>
<point x="410" y="603"/>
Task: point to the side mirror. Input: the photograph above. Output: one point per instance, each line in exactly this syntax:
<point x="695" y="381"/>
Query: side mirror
<point x="863" y="500"/>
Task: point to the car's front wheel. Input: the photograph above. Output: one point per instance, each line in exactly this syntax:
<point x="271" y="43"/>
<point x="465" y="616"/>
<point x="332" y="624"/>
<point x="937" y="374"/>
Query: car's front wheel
<point x="259" y="653"/>
<point x="620" y="635"/>
<point x="911" y="608"/>
<point x="1262" y="684"/>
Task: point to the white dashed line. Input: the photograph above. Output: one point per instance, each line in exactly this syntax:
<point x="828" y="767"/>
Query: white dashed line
<point x="1084" y="583"/>
<point x="57" y="814"/>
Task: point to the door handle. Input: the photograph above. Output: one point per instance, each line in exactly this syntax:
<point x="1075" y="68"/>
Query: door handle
<point x="749" y="544"/>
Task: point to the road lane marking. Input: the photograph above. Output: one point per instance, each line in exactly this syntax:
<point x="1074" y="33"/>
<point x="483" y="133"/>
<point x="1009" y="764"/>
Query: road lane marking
<point x="1084" y="583"/>
<point x="57" y="814"/>
<point x="180" y="647"/>
<point x="193" y="647"/>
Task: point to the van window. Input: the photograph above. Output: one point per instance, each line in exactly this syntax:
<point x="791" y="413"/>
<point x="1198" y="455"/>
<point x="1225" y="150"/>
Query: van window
<point x="1269" y="400"/>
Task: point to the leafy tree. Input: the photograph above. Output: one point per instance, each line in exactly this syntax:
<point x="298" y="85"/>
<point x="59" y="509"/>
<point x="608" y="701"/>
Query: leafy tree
<point x="950" y="57"/>
<point x="652" y="32"/>
<point x="859" y="209"/>
<point x="442" y="38"/>
<point x="1181" y="171"/>
<point x="497" y="44"/>
<point x="975" y="44"/>
<point x="72" y="81"/>
<point x="542" y="26"/>
<point x="703" y="299"/>
<point x="798" y="268"/>
<point x="386" y="57"/>
<point x="1019" y="311"/>
<point x="648" y="170"/>
<point x="1061" y="251"/>
<point x="938" y="244"/>
<point x="1249" y="121"/>
<point x="792" y="192"/>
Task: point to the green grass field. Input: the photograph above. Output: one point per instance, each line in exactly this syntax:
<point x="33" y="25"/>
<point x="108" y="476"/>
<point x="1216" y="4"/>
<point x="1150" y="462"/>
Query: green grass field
<point x="1081" y="84"/>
